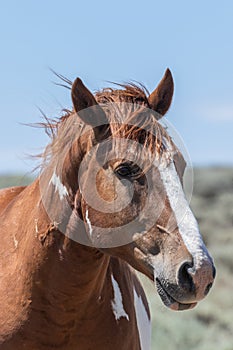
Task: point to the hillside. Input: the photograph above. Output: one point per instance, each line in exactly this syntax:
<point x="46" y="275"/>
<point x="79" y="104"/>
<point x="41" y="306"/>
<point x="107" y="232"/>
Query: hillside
<point x="14" y="180"/>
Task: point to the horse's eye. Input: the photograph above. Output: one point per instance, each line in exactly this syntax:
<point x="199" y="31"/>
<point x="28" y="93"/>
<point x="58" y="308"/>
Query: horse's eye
<point x="123" y="170"/>
<point x="127" y="170"/>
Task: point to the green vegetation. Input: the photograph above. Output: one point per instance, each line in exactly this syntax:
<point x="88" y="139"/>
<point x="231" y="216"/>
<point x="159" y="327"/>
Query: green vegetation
<point x="14" y="180"/>
<point x="210" y="325"/>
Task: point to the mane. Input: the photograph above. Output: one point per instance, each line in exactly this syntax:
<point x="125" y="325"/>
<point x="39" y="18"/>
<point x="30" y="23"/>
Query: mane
<point x="135" y="123"/>
<point x="129" y="92"/>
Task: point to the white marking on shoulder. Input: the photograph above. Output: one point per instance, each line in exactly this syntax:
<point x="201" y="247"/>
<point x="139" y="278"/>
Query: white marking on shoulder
<point x="89" y="223"/>
<point x="185" y="219"/>
<point x="117" y="303"/>
<point x="143" y="322"/>
<point x="59" y="187"/>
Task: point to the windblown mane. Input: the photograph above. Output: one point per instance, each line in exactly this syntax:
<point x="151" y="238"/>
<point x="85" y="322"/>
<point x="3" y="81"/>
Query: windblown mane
<point x="127" y="109"/>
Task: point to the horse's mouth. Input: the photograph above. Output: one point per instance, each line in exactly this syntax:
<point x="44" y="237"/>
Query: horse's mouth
<point x="169" y="301"/>
<point x="165" y="296"/>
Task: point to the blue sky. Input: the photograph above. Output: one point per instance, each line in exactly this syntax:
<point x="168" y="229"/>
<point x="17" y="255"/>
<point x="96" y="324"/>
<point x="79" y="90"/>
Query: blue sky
<point x="117" y="41"/>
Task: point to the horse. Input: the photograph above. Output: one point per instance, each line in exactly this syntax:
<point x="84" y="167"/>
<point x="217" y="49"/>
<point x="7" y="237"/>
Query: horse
<point x="108" y="202"/>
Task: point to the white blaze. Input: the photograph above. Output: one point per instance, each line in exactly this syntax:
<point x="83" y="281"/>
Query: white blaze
<point x="185" y="219"/>
<point x="59" y="187"/>
<point x="143" y="322"/>
<point x="117" y="303"/>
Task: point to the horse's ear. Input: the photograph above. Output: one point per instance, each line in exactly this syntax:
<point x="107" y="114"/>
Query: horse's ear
<point x="161" y="98"/>
<point x="82" y="98"/>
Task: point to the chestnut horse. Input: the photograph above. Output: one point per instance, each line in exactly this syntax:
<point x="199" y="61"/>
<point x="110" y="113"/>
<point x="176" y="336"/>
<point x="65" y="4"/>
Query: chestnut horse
<point x="68" y="258"/>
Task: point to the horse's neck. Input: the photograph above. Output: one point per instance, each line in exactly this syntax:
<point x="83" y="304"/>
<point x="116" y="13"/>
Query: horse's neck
<point x="55" y="276"/>
<point x="71" y="274"/>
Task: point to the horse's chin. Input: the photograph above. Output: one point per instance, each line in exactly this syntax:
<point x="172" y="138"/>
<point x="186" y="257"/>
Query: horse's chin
<point x="176" y="306"/>
<point x="170" y="302"/>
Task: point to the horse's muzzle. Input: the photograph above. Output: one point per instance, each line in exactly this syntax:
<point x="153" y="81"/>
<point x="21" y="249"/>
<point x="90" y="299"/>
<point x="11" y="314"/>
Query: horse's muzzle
<point x="191" y="286"/>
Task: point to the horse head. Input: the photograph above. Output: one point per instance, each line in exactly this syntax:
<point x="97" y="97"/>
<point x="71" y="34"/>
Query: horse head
<point x="122" y="176"/>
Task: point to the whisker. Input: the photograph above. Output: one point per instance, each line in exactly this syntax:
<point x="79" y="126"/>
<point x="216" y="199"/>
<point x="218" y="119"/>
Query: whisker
<point x="163" y="229"/>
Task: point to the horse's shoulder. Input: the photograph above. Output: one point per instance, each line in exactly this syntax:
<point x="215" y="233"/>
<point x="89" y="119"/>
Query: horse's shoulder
<point x="8" y="194"/>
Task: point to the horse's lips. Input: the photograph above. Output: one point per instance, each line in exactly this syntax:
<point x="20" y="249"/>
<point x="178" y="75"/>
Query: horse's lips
<point x="169" y="301"/>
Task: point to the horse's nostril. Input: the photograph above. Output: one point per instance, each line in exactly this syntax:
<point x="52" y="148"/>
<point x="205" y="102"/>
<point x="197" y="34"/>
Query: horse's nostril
<point x="185" y="278"/>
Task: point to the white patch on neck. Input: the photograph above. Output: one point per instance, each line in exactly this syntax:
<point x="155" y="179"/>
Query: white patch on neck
<point x="89" y="223"/>
<point x="61" y="258"/>
<point x="59" y="187"/>
<point x="143" y="322"/>
<point x="185" y="219"/>
<point x="117" y="303"/>
<point x="16" y="242"/>
<point x="36" y="227"/>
